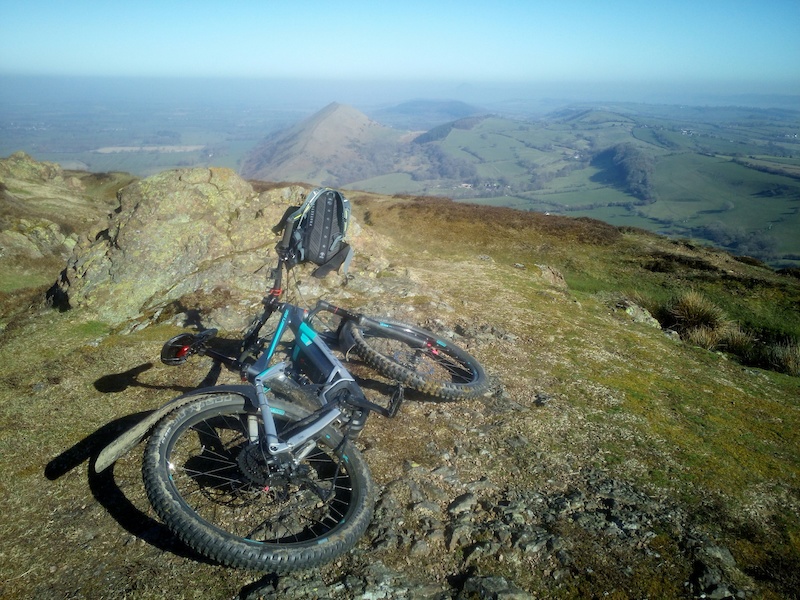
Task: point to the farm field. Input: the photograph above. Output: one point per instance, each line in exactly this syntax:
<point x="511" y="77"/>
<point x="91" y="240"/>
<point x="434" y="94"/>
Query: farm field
<point x="725" y="176"/>
<point x="731" y="184"/>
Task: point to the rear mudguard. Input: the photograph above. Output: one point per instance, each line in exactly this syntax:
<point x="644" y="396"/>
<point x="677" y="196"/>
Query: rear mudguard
<point x="130" y="438"/>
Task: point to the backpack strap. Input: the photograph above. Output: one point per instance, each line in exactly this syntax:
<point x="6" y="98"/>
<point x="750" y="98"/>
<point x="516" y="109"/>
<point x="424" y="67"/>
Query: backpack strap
<point x="341" y="259"/>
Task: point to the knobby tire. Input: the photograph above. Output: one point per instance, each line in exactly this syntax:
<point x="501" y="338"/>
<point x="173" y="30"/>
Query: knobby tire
<point x="416" y="358"/>
<point x="224" y="496"/>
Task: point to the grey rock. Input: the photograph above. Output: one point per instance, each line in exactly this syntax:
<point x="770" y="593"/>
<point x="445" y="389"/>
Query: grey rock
<point x="492" y="588"/>
<point x="462" y="504"/>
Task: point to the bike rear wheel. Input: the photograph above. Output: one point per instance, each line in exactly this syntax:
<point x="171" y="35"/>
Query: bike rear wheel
<point x="230" y="500"/>
<point x="417" y="358"/>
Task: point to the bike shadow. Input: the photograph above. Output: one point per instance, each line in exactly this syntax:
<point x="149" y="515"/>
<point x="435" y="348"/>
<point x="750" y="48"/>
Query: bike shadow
<point x="104" y="486"/>
<point x="107" y="492"/>
<point x="89" y="447"/>
<point x="114" y="383"/>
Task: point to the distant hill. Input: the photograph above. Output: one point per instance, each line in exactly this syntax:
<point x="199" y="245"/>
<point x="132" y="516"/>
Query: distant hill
<point x="425" y="114"/>
<point x="334" y="146"/>
<point x="340" y="146"/>
<point x="730" y="176"/>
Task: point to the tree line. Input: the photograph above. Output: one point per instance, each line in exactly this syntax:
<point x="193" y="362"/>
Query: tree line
<point x="630" y="169"/>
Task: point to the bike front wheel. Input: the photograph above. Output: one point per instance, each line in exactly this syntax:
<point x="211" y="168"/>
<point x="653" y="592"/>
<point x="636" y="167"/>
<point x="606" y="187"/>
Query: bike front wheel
<point x="416" y="358"/>
<point x="219" y="490"/>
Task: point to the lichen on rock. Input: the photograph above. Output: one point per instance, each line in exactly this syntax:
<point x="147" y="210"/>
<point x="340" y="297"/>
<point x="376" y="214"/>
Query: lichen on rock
<point x="175" y="233"/>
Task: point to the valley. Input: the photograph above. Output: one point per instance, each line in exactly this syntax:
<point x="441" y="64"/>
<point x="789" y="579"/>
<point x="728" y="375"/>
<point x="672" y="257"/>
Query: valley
<point x="725" y="176"/>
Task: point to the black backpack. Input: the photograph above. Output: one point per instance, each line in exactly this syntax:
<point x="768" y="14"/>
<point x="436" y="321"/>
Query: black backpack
<point x="315" y="232"/>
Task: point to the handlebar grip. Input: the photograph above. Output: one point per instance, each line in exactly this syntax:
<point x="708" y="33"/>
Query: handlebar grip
<point x="336" y="310"/>
<point x="325" y="305"/>
<point x="288" y="230"/>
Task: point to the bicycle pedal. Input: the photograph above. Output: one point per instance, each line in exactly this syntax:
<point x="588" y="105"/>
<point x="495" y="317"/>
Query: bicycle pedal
<point x="396" y="401"/>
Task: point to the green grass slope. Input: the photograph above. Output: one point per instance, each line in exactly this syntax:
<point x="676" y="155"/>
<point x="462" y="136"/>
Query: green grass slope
<point x="727" y="177"/>
<point x="585" y="397"/>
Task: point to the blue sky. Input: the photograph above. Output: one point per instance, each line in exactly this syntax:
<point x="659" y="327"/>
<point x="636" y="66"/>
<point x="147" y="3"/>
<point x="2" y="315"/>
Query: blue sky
<point x="745" y="45"/>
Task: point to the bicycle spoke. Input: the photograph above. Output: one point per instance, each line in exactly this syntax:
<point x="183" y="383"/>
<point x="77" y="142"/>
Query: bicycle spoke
<point x="207" y="465"/>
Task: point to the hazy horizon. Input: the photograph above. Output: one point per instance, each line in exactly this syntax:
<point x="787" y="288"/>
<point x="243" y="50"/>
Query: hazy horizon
<point x="313" y="94"/>
<point x="364" y="53"/>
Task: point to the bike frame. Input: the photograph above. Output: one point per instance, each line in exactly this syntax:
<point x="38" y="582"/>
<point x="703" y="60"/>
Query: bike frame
<point x="338" y="395"/>
<point x="312" y="357"/>
<point x="333" y="395"/>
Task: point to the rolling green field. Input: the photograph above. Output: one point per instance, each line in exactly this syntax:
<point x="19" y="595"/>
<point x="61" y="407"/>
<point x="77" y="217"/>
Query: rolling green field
<point x="730" y="178"/>
<point x="725" y="176"/>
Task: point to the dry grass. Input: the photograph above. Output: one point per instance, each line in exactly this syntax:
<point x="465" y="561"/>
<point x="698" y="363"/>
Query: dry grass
<point x="785" y="357"/>
<point x="701" y="322"/>
<point x="689" y="428"/>
<point x="692" y="310"/>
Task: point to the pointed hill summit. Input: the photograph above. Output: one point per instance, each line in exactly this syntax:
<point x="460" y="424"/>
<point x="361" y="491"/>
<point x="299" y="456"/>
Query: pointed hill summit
<point x="334" y="146"/>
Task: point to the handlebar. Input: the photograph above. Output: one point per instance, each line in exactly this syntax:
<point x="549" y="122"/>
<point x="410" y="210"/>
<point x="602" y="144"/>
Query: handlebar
<point x="336" y="310"/>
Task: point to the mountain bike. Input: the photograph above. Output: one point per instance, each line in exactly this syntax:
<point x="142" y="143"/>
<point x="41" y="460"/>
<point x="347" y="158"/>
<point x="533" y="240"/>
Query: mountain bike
<point x="264" y="475"/>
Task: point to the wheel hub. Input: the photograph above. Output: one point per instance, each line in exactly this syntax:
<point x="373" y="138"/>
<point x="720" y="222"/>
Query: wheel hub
<point x="258" y="467"/>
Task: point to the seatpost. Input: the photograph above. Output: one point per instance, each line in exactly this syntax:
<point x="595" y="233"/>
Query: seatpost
<point x="274" y="293"/>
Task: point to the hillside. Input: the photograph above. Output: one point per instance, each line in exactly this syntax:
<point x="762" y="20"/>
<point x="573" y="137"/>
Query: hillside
<point x="335" y="145"/>
<point x="725" y="176"/>
<point x="611" y="460"/>
<point x="44" y="213"/>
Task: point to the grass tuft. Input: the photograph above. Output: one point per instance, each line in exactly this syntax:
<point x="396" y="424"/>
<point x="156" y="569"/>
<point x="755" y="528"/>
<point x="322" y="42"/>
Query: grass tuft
<point x="785" y="357"/>
<point x="704" y="337"/>
<point x="702" y="323"/>
<point x="692" y="311"/>
<point x="739" y="342"/>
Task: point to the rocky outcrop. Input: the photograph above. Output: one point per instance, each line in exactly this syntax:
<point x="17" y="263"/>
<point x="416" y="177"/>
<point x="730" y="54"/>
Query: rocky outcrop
<point x="42" y="208"/>
<point x="176" y="233"/>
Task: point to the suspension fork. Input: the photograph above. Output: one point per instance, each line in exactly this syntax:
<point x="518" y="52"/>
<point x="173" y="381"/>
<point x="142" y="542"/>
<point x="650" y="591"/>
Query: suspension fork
<point x="309" y="431"/>
<point x="363" y="319"/>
